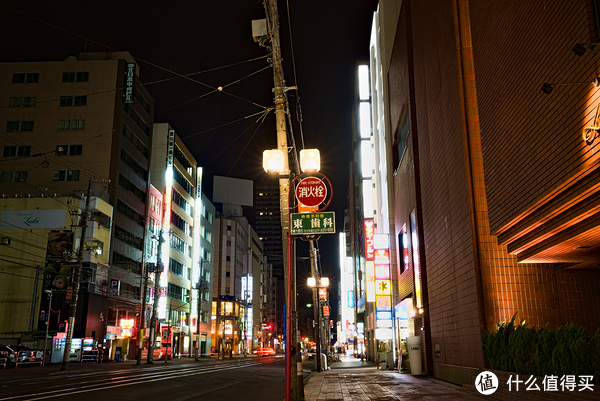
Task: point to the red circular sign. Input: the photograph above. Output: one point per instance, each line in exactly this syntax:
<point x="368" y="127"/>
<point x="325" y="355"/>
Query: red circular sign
<point x="311" y="191"/>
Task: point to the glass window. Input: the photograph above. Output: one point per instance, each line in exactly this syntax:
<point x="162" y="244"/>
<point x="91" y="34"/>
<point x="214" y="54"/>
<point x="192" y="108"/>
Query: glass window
<point x="16" y="151"/>
<point x="26" y="78"/>
<point x="19" y="126"/>
<point x="82" y="76"/>
<point x="65" y="175"/>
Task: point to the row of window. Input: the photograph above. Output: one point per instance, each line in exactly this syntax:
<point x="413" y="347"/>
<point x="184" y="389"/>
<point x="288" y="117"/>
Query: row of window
<point x="25" y="150"/>
<point x="132" y="188"/>
<point x="129" y="238"/>
<point x="135" y="166"/>
<point x="180" y="245"/>
<point x="57" y="175"/>
<point x="34" y="77"/>
<point x="180" y="223"/>
<point x="130" y="213"/>
<point x="62" y="125"/>
<point x="31" y="101"/>
<point x="181" y="202"/>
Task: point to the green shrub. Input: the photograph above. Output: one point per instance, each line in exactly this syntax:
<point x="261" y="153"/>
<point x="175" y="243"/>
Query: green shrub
<point x="564" y="350"/>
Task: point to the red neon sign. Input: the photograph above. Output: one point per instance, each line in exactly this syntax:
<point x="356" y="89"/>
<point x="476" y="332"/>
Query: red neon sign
<point x="369" y="231"/>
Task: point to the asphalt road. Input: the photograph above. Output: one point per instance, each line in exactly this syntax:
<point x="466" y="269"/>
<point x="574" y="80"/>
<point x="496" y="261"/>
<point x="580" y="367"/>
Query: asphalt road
<point x="254" y="379"/>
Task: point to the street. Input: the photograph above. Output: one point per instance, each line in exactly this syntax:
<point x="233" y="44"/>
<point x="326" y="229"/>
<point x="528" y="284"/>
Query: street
<point x="251" y="379"/>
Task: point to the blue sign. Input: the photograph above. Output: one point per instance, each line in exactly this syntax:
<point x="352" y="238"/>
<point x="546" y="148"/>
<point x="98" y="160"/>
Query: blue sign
<point x="351" y="299"/>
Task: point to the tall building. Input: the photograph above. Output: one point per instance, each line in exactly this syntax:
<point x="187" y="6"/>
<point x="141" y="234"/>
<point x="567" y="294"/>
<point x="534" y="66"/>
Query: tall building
<point x="186" y="246"/>
<point x="68" y="122"/>
<point x="484" y="172"/>
<point x="267" y="218"/>
<point x="239" y="268"/>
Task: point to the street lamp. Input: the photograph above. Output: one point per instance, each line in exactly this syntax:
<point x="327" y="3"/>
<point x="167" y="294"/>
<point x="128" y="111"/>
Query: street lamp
<point x="323" y="282"/>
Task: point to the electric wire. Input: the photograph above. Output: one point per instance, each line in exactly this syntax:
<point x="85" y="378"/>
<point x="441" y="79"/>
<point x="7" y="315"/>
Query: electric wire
<point x="261" y="119"/>
<point x="136" y="58"/>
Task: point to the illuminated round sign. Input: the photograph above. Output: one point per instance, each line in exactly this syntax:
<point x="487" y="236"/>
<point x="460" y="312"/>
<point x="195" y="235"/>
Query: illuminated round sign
<point x="311" y="191"/>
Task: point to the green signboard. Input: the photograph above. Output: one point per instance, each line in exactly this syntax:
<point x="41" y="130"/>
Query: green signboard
<point x="313" y="223"/>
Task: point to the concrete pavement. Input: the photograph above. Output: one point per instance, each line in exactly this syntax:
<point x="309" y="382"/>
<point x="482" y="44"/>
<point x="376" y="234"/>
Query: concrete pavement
<point x="356" y="380"/>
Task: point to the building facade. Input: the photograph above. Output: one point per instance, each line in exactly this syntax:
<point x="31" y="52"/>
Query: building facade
<point x="485" y="220"/>
<point x="85" y="118"/>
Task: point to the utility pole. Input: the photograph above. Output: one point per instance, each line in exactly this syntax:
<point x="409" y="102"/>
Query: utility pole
<point x="284" y="182"/>
<point x="143" y="314"/>
<point x="201" y="287"/>
<point x="159" y="268"/>
<point x="77" y="278"/>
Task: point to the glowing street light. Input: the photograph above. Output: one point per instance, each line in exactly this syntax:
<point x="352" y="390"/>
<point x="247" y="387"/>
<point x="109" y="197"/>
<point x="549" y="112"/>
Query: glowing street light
<point x="310" y="160"/>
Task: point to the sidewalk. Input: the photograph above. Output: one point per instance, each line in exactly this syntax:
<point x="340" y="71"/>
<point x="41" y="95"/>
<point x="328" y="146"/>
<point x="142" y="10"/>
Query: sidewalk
<point x="356" y="380"/>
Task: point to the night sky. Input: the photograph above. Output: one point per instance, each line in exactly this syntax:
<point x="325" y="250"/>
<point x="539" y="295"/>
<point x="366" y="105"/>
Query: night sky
<point x="328" y="37"/>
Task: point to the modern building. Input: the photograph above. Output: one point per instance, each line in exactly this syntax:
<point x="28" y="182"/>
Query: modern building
<point x="239" y="268"/>
<point x="186" y="246"/>
<point x="68" y="122"/>
<point x="484" y="219"/>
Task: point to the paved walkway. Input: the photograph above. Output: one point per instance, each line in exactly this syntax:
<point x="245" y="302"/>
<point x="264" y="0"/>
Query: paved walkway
<point x="351" y="379"/>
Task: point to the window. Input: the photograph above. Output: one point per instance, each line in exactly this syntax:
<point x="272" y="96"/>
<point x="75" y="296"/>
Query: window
<point x="135" y="166"/>
<point x="135" y="141"/>
<point x="132" y="188"/>
<point x="68" y="150"/>
<point x="187" y="165"/>
<point x="180" y="245"/>
<point x="137" y="119"/>
<point x="181" y="180"/>
<point x="155" y="204"/>
<point x="26" y="78"/>
<point x="228" y="258"/>
<point x="177" y="292"/>
<point x="227" y="274"/>
<point x="70" y="125"/>
<point x="126" y="263"/>
<point x="176" y="267"/>
<point x="228" y="243"/>
<point x="153" y="226"/>
<point x="13" y="176"/>
<point x="65" y="175"/>
<point x="73" y="101"/>
<point x="127" y="211"/>
<point x="16" y="151"/>
<point x="400" y="139"/>
<point x="83" y="76"/>
<point x="181" y="202"/>
<point x="19" y="126"/>
<point x="102" y="219"/>
<point x="180" y="222"/>
<point x="23" y="101"/>
<point x="129" y="238"/>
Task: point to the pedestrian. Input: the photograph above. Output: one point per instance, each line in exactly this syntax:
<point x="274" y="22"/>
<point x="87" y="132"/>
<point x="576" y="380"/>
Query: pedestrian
<point x="231" y="353"/>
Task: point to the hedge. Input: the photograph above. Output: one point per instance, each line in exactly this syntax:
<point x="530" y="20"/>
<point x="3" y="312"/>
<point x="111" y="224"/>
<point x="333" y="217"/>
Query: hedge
<point x="564" y="350"/>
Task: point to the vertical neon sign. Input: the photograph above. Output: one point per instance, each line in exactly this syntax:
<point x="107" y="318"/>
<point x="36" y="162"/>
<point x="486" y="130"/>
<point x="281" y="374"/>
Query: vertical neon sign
<point x="167" y="199"/>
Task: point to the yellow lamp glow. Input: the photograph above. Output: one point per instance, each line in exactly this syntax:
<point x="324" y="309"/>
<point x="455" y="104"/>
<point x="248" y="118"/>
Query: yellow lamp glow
<point x="324" y="282"/>
<point x="310" y="160"/>
<point x="311" y="281"/>
<point x="273" y="161"/>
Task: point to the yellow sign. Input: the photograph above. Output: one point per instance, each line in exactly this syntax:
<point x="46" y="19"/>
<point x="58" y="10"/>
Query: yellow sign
<point x="383" y="287"/>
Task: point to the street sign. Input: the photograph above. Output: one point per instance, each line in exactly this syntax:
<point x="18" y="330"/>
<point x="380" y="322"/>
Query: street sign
<point x="69" y="295"/>
<point x="311" y="191"/>
<point x="313" y="223"/>
<point x="326" y="310"/>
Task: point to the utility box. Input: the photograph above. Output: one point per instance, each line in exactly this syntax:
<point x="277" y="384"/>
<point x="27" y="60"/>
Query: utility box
<point x="259" y="29"/>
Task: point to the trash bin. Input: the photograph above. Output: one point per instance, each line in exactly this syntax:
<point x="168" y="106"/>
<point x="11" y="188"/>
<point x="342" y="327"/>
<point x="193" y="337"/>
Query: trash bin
<point x="118" y="354"/>
<point x="413" y="344"/>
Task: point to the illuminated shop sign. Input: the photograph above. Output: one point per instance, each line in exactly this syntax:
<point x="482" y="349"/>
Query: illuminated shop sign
<point x="370" y="273"/>
<point x="369" y="231"/>
<point x="382" y="256"/>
